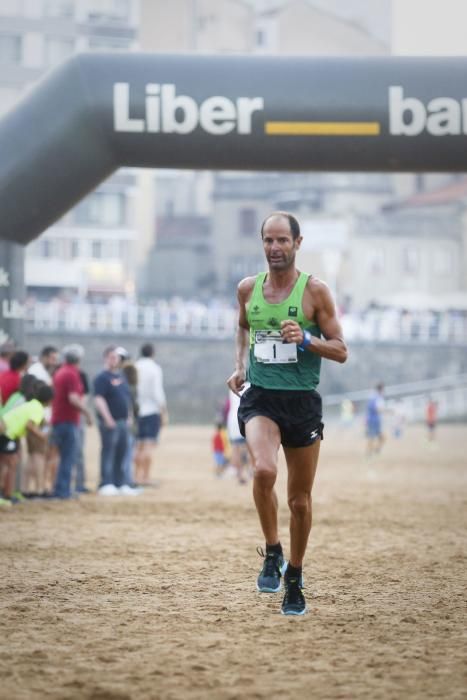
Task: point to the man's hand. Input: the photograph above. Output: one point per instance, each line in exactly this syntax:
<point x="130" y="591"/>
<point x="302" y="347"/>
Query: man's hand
<point x="291" y="332"/>
<point x="236" y="381"/>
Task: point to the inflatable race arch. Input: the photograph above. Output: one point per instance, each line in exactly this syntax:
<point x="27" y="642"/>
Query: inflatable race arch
<point x="98" y="112"/>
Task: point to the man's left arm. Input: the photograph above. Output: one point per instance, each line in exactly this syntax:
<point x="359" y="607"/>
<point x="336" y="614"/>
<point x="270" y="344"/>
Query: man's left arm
<point x="323" y="311"/>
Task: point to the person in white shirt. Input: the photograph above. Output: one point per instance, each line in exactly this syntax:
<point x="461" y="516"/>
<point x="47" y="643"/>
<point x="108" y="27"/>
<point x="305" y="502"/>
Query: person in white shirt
<point x="46" y="365"/>
<point x="152" y="411"/>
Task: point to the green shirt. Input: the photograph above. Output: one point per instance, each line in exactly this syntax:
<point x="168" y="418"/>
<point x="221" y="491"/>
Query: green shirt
<point x="17" y="419"/>
<point x="301" y="370"/>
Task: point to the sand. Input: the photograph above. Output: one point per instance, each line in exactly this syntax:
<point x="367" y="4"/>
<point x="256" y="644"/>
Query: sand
<point x="154" y="596"/>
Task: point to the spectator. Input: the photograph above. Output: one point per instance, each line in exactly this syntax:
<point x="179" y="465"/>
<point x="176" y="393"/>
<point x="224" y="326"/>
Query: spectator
<point x="431" y="417"/>
<point x="131" y="374"/>
<point x="80" y="466"/>
<point x="11" y="378"/>
<point x="239" y="457"/>
<point x="218" y="450"/>
<point x="374" y="418"/>
<point x="46" y="365"/>
<point x="112" y="399"/>
<point x="14" y="424"/>
<point x="152" y="406"/>
<point x="67" y="406"/>
<point x="43" y="456"/>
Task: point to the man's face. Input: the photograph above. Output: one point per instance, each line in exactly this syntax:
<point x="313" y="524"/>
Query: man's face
<point x="112" y="360"/>
<point x="50" y="361"/>
<point x="278" y="243"/>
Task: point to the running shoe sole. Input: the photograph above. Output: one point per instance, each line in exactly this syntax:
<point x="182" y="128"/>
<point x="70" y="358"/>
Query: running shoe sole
<point x="293" y="612"/>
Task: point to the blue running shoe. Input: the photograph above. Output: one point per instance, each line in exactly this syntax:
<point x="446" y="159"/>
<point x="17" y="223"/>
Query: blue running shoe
<point x="269" y="579"/>
<point x="294" y="601"/>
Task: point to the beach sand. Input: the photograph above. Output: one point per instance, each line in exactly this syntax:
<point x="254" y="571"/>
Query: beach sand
<point x="154" y="596"/>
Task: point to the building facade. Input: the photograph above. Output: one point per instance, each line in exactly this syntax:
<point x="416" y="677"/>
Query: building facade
<point x="92" y="250"/>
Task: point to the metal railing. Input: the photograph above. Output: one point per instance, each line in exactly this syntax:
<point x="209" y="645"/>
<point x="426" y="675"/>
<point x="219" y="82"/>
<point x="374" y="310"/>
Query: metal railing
<point x="144" y="320"/>
<point x="199" y="321"/>
<point x="449" y="393"/>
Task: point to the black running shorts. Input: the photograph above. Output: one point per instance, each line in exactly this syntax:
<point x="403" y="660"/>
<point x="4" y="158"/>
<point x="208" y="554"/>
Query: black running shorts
<point x="298" y="414"/>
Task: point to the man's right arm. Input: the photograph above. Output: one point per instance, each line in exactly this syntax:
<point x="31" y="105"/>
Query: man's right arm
<point x="102" y="407"/>
<point x="236" y="381"/>
<point x="78" y="402"/>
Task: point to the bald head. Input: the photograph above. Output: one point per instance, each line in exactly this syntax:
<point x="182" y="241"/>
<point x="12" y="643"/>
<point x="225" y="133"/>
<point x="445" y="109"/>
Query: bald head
<point x="294" y="226"/>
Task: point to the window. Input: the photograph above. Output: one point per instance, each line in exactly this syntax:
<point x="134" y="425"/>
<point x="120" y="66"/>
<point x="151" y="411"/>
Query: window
<point x="410" y="260"/>
<point x="260" y="38"/>
<point x="109" y="9"/>
<point x="75" y="248"/>
<point x="101" y="208"/>
<point x="248" y="223"/>
<point x="48" y="248"/>
<point x="443" y="262"/>
<point x="57" y="50"/>
<point x="59" y="8"/>
<point x="10" y="49"/>
<point x="375" y="261"/>
<point x="96" y="249"/>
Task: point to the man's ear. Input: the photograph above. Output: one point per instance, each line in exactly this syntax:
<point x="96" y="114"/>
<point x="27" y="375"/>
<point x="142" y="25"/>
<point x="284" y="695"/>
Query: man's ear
<point x="298" y="242"/>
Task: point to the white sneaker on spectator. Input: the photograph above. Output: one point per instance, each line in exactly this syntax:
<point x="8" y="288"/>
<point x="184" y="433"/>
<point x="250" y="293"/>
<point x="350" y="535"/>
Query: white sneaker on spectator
<point x="108" y="490"/>
<point x="126" y="490"/>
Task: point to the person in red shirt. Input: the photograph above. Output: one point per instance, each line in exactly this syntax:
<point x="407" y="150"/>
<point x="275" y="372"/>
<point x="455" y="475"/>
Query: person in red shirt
<point x="11" y="378"/>
<point x="67" y="405"/>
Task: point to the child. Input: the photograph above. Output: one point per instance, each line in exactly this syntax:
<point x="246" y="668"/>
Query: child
<point x="218" y="449"/>
<point x="25" y="392"/>
<point x="14" y="424"/>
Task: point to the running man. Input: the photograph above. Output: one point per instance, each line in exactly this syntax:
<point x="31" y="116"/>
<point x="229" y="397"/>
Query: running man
<point x="283" y="314"/>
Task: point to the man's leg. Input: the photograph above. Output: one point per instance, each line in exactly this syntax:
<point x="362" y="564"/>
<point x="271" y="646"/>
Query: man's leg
<point x="108" y="441"/>
<point x="120" y="454"/>
<point x="138" y="461"/>
<point x="67" y="441"/>
<point x="301" y="464"/>
<point x="263" y="439"/>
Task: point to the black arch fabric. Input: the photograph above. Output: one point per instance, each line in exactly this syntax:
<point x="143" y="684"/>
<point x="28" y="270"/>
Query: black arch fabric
<point x="101" y="111"/>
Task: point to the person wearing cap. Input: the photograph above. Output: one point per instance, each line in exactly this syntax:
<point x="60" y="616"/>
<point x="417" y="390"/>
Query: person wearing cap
<point x="67" y="406"/>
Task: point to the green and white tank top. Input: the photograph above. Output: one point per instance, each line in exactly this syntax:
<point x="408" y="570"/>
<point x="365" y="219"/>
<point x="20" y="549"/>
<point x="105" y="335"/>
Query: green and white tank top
<point x="273" y="363"/>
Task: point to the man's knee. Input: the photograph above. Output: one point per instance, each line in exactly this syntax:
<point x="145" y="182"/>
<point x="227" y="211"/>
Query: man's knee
<point x="300" y="504"/>
<point x="265" y="472"/>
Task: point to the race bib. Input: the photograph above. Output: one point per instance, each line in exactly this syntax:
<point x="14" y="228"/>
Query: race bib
<point x="270" y="347"/>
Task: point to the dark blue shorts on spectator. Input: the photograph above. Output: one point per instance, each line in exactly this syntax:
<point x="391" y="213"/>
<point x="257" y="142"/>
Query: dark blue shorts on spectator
<point x="149" y="427"/>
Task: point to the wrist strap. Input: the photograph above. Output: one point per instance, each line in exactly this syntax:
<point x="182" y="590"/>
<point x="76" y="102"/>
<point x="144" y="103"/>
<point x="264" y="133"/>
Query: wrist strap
<point x="307" y="340"/>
